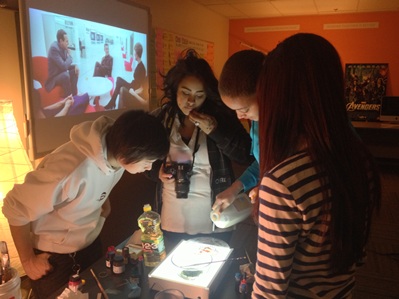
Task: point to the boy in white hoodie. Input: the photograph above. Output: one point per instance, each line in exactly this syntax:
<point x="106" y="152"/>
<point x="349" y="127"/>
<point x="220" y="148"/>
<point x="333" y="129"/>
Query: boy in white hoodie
<point x="57" y="214"/>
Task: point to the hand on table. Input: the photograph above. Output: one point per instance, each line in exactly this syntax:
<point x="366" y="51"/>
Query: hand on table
<point x="37" y="266"/>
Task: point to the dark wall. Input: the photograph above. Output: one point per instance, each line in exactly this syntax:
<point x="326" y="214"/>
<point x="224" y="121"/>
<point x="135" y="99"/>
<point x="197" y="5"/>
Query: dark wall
<point x="127" y="200"/>
<point x="383" y="143"/>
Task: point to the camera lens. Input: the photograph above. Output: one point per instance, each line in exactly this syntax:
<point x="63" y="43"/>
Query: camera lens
<point x="182" y="189"/>
<point x="182" y="183"/>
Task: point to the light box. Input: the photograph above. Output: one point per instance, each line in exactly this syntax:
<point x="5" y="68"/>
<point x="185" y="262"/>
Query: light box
<point x="169" y="276"/>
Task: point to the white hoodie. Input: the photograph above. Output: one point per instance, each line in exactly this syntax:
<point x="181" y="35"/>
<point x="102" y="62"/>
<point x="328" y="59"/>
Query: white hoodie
<point x="62" y="198"/>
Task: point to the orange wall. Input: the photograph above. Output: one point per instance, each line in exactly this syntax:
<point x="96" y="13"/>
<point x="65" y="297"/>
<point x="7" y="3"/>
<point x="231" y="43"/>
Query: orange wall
<point x="376" y="45"/>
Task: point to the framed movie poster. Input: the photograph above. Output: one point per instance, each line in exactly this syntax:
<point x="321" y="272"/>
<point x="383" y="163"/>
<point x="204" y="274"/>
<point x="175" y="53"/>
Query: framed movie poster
<point x="365" y="85"/>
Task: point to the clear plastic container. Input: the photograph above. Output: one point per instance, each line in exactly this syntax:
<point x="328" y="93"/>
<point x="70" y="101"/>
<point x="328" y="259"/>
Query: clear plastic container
<point x="11" y="288"/>
<point x="238" y="211"/>
<point x="151" y="237"/>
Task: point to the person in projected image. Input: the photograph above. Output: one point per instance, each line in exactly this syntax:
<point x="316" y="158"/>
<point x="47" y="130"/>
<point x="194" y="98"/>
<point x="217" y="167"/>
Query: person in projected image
<point x="205" y="136"/>
<point x="136" y="86"/>
<point x="60" y="108"/>
<point x="57" y="213"/>
<point x="61" y="70"/>
<point x="71" y="105"/>
<point x="319" y="183"/>
<point x="129" y="99"/>
<point x="104" y="69"/>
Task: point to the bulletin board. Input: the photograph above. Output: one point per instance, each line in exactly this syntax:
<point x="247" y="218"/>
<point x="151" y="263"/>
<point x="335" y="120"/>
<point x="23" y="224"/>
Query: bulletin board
<point x="169" y="46"/>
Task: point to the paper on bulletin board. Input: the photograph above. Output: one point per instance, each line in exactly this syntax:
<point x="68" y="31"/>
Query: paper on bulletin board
<point x="169" y="46"/>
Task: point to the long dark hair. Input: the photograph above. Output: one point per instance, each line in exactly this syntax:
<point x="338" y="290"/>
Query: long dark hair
<point x="301" y="102"/>
<point x="189" y="64"/>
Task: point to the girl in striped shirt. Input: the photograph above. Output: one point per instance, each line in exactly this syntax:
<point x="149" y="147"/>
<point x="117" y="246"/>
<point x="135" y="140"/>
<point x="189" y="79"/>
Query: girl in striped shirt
<point x="319" y="184"/>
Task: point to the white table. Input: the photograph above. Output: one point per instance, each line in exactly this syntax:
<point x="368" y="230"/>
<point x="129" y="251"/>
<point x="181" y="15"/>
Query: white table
<point x="98" y="87"/>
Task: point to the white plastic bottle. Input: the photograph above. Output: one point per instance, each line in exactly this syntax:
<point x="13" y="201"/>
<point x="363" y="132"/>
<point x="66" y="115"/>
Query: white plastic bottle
<point x="238" y="211"/>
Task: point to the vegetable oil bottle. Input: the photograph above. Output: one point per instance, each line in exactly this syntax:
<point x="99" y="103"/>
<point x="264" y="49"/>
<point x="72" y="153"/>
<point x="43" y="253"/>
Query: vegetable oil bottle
<point x="152" y="237"/>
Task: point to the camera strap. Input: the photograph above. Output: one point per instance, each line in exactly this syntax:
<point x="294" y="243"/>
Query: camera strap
<point x="196" y="147"/>
<point x="169" y="124"/>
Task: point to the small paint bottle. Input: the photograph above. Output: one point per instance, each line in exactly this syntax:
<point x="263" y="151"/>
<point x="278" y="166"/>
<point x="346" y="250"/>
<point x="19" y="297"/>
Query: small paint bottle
<point x="238" y="277"/>
<point x="126" y="255"/>
<point x="118" y="266"/>
<point x="109" y="258"/>
<point x="243" y="286"/>
<point x="75" y="283"/>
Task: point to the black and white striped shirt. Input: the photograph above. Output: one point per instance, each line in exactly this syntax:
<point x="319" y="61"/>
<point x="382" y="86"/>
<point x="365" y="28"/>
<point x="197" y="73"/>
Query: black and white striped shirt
<point x="293" y="255"/>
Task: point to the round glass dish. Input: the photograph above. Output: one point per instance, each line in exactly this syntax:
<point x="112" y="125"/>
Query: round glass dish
<point x="191" y="264"/>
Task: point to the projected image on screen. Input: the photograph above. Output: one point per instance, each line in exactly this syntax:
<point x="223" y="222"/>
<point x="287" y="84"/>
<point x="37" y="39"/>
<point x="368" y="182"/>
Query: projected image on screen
<point x="80" y="66"/>
<point x="81" y="60"/>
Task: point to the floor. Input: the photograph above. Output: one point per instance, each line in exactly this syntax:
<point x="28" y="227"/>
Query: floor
<point x="377" y="279"/>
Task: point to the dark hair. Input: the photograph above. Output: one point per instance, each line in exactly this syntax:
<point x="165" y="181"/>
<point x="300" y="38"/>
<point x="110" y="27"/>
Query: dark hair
<point x="60" y="34"/>
<point x="301" y="101"/>
<point x="137" y="135"/>
<point x="240" y="73"/>
<point x="189" y="64"/>
<point x="139" y="49"/>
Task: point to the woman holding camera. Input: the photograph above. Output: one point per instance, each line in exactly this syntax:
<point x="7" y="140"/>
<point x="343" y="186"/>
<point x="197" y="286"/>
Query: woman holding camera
<point x="205" y="136"/>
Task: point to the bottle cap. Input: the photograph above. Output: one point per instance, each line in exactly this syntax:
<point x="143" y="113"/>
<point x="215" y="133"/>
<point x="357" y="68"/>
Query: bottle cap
<point x="74" y="278"/>
<point x="118" y="258"/>
<point x="215" y="216"/>
<point x="147" y="208"/>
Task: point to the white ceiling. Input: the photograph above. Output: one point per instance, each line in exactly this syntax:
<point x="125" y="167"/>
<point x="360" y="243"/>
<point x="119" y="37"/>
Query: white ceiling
<point x="246" y="9"/>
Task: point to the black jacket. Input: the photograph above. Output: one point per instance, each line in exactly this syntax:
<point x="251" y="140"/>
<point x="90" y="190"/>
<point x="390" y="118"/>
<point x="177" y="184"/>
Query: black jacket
<point x="229" y="141"/>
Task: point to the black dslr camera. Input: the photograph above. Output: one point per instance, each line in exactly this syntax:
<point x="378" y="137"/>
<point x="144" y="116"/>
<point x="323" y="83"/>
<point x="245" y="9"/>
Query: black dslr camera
<point x="182" y="173"/>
